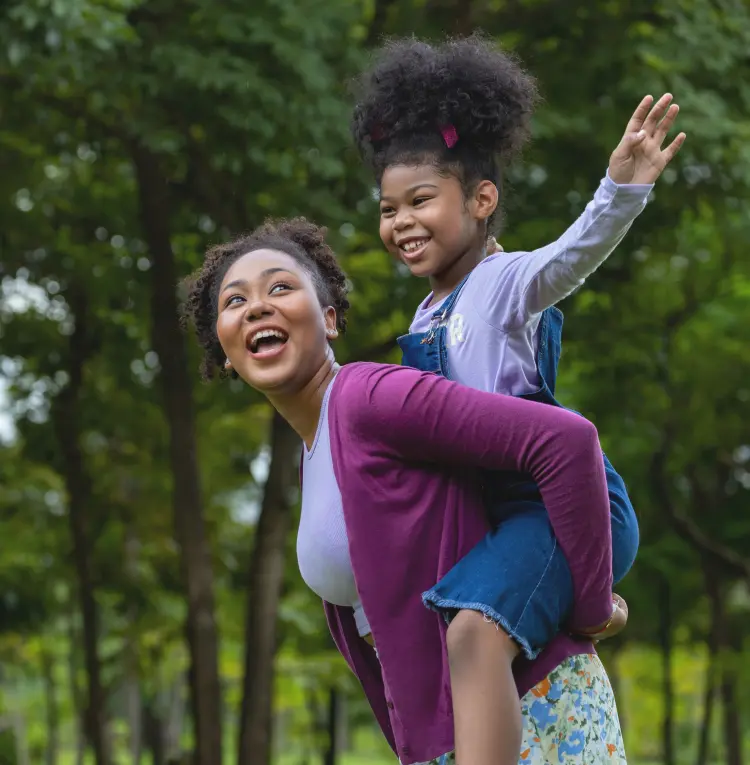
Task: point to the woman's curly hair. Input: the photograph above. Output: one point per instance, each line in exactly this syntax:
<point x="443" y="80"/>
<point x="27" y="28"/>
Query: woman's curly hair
<point x="414" y="89"/>
<point x="297" y="237"/>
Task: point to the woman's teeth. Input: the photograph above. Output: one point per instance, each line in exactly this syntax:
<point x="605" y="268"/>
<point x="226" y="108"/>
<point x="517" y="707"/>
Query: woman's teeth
<point x="267" y="334"/>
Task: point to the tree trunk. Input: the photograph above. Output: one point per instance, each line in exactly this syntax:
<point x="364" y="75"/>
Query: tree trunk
<point x="132" y="674"/>
<point x="153" y="733"/>
<point x="457" y="18"/>
<point x="665" y="640"/>
<point x="66" y="420"/>
<point x="50" y="703"/>
<point x="75" y="694"/>
<point x="174" y="716"/>
<point x="713" y="640"/>
<point x="730" y="697"/>
<point x="170" y="346"/>
<point x="22" y="741"/>
<point x="134" y="706"/>
<point x="264" y="592"/>
<point x="615" y="678"/>
<point x="331" y="755"/>
<point x="732" y="727"/>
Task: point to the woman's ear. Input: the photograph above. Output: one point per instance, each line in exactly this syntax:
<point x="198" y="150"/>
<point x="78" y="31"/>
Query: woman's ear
<point x="329" y="316"/>
<point x="485" y="201"/>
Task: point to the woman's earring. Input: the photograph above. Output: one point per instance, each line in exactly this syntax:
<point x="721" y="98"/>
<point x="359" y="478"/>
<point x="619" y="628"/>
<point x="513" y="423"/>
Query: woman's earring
<point x="332" y="332"/>
<point x="227" y="364"/>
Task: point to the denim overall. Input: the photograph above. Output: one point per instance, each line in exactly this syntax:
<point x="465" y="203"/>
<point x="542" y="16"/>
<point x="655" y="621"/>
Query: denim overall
<point x="517" y="575"/>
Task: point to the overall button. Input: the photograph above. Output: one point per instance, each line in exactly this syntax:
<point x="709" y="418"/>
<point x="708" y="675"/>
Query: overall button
<point x="405" y="751"/>
<point x="389" y="704"/>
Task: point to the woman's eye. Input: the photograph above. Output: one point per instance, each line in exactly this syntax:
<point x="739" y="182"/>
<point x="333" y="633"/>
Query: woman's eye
<point x="278" y="287"/>
<point x="386" y="210"/>
<point x="234" y="300"/>
<point x="419" y="200"/>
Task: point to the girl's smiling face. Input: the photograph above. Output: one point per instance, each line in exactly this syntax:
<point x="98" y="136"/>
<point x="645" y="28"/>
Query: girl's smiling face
<point x="427" y="222"/>
<point x="270" y="323"/>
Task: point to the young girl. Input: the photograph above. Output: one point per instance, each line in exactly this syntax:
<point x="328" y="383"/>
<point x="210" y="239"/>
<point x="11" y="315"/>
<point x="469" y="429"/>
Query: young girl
<point x="437" y="125"/>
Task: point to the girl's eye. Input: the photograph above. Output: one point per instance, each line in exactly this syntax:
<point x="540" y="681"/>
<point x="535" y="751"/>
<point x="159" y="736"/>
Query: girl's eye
<point x="233" y="300"/>
<point x="386" y="210"/>
<point x="280" y="286"/>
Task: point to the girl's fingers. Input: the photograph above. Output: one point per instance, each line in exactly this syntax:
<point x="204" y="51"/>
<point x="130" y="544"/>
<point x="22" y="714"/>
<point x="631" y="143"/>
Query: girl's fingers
<point x="639" y="115"/>
<point x="671" y="151"/>
<point x="666" y="124"/>
<point x="657" y="113"/>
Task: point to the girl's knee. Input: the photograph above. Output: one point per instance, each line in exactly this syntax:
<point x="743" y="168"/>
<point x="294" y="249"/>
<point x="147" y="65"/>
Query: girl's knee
<point x="472" y="635"/>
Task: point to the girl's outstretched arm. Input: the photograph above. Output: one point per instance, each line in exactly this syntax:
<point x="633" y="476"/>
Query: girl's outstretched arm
<point x="521" y="285"/>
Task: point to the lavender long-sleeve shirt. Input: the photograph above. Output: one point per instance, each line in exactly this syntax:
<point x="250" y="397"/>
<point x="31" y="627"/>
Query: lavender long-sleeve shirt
<point x="493" y="331"/>
<point x="405" y="446"/>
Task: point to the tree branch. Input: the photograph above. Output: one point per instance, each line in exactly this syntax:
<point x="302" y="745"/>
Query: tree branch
<point x="687" y="528"/>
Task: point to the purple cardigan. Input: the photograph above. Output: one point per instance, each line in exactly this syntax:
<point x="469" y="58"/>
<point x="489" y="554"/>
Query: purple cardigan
<point x="405" y="447"/>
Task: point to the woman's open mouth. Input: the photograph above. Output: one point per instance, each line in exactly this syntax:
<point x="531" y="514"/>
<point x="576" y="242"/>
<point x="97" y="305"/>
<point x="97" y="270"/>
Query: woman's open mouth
<point x="266" y="343"/>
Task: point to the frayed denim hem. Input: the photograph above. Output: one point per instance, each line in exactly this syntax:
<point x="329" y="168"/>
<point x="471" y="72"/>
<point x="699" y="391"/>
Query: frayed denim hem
<point x="432" y="600"/>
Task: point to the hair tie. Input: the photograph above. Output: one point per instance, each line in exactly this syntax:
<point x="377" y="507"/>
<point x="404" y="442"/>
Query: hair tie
<point x="377" y="133"/>
<point x="450" y="136"/>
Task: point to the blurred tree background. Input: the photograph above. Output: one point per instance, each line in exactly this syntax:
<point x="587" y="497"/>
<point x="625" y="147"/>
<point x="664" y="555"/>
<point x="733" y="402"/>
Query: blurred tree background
<point x="150" y="606"/>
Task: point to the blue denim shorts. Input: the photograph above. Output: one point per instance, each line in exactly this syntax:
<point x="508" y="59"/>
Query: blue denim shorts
<point x="518" y="577"/>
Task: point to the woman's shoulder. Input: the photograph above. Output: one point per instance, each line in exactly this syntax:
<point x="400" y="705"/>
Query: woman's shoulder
<point x="356" y="383"/>
<point x="368" y="395"/>
<point x="375" y="382"/>
<point x="359" y="376"/>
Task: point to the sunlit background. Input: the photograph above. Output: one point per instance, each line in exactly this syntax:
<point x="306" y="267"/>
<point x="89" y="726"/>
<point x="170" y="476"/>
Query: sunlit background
<point x="133" y="135"/>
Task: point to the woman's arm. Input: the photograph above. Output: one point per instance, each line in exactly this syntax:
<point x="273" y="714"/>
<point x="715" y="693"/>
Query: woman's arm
<point x="424" y="418"/>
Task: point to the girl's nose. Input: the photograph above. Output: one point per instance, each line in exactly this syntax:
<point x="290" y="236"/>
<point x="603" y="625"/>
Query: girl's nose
<point x="403" y="220"/>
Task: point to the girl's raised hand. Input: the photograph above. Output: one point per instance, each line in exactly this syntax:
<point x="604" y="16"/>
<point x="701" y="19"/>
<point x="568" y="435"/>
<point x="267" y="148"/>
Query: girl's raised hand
<point x="639" y="157"/>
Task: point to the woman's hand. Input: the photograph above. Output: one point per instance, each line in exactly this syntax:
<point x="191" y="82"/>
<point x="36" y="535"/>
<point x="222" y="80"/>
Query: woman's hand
<point x="639" y="157"/>
<point x="612" y="627"/>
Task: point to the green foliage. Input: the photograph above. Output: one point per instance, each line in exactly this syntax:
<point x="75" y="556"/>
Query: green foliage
<point x="245" y="108"/>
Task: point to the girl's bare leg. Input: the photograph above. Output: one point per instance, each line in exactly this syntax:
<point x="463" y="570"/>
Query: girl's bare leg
<point x="486" y="709"/>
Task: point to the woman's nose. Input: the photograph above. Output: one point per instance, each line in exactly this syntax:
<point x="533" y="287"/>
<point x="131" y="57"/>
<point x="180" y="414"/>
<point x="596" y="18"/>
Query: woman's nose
<point x="257" y="309"/>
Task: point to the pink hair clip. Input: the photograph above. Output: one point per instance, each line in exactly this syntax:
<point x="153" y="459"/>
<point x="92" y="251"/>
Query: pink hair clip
<point x="450" y="136"/>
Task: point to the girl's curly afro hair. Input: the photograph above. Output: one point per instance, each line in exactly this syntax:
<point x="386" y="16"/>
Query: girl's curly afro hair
<point x="297" y="237"/>
<point x="413" y="90"/>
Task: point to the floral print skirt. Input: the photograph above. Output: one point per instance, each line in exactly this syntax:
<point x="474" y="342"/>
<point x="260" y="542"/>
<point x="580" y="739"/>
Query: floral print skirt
<point x="570" y="717"/>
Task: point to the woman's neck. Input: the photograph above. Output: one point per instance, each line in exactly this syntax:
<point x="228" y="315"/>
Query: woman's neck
<point x="302" y="409"/>
<point x="446" y="281"/>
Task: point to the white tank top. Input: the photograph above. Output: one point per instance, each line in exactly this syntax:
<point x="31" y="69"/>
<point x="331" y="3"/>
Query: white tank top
<point x="322" y="543"/>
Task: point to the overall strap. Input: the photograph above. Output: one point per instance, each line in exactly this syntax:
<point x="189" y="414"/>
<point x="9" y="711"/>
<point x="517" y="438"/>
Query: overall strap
<point x="442" y="313"/>
<point x="446" y="309"/>
<point x="550" y="346"/>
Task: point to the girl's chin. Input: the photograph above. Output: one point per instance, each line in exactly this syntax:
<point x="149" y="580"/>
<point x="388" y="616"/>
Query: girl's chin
<point x="420" y="269"/>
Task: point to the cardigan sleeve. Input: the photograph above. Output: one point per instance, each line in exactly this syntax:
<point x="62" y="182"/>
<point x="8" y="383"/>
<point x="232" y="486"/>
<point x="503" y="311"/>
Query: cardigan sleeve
<point x="424" y="418"/>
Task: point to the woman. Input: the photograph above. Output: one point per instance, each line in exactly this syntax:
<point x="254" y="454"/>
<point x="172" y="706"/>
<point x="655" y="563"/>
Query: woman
<point x="390" y="502"/>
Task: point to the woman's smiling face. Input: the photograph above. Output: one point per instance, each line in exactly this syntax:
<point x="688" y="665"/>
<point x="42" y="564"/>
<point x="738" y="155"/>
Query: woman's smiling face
<point x="270" y="323"/>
